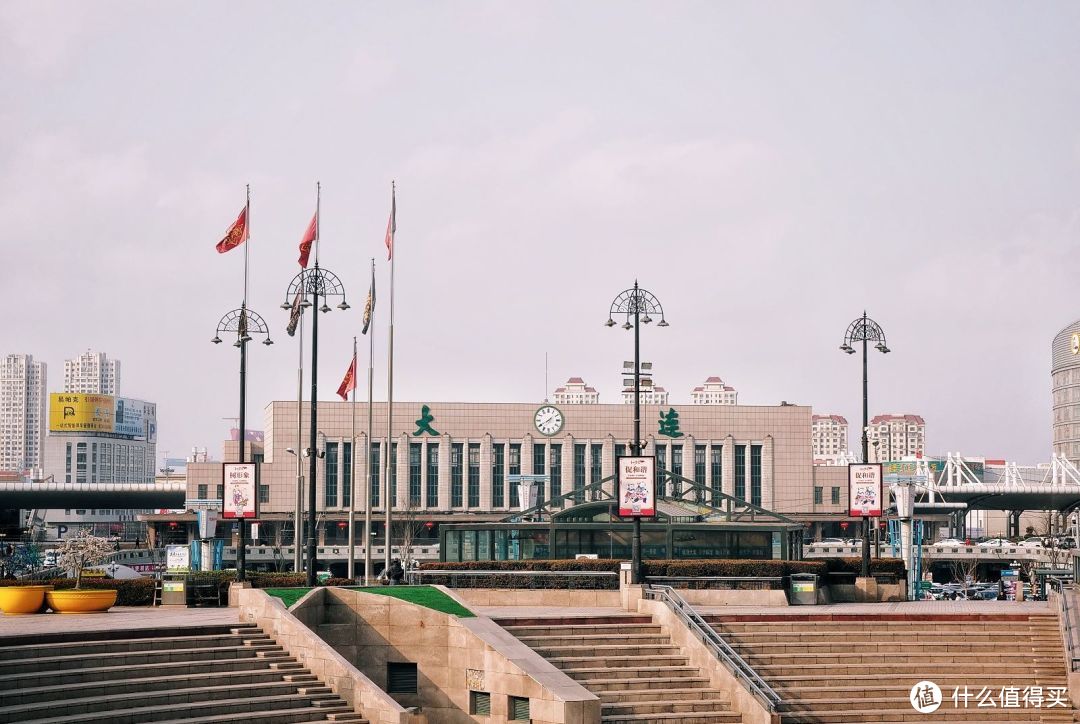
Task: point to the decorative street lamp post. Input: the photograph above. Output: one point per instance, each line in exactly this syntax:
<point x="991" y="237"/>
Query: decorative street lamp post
<point x="637" y="304"/>
<point x="864" y="330"/>
<point x="314" y="283"/>
<point x="242" y="322"/>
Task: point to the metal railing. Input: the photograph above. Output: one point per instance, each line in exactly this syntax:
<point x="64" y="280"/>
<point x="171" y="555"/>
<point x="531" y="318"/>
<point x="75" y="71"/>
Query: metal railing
<point x="1066" y="621"/>
<point x="734" y="663"/>
<point x="606" y="580"/>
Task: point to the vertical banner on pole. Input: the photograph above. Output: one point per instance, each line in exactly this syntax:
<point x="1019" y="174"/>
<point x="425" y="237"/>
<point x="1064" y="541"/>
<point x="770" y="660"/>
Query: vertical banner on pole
<point x="637" y="486"/>
<point x="864" y="490"/>
<point x="240" y="493"/>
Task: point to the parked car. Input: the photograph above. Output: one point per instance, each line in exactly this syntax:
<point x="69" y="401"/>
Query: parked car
<point x="996" y="543"/>
<point x="950" y="542"/>
<point x="1032" y="543"/>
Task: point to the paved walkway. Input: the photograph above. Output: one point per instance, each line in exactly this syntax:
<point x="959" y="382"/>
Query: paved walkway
<point x="545" y="611"/>
<point x="117" y="618"/>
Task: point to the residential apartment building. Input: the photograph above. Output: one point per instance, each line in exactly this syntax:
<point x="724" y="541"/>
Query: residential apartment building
<point x="893" y="437"/>
<point x="576" y="392"/>
<point x="92" y="373"/>
<point x="714" y="392"/>
<point x="1065" y="388"/>
<point x="22" y="412"/>
<point x="649" y="395"/>
<point x="829" y="439"/>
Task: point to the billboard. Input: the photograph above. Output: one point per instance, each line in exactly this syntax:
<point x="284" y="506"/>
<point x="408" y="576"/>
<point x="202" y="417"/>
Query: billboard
<point x="79" y="412"/>
<point x="82" y="412"/>
<point x="637" y="486"/>
<point x="135" y="418"/>
<point x="240" y="494"/>
<point x="864" y="490"/>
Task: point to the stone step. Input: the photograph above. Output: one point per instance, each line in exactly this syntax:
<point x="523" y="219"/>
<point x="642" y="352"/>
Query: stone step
<point x="672" y="718"/>
<point x="134" y="658"/>
<point x="94" y="648"/>
<point x="103" y="674"/>
<point x="598" y="640"/>
<point x="1017" y="646"/>
<point x="116" y="702"/>
<point x="889" y="716"/>
<point x="803" y="681"/>
<point x="897" y="657"/>
<point x="602" y="686"/>
<point x="670" y="693"/>
<point x="906" y="637"/>
<point x="913" y="669"/>
<point x="270" y="709"/>
<point x="629" y="649"/>
<point x="613" y="661"/>
<point x="575" y="630"/>
<point x="60" y="637"/>
<point x="885" y="691"/>
<point x="301" y="715"/>
<point x="66" y="690"/>
<point x="666" y="706"/>
<point x="639" y="672"/>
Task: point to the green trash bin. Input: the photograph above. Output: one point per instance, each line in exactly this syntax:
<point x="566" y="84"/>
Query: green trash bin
<point x="804" y="587"/>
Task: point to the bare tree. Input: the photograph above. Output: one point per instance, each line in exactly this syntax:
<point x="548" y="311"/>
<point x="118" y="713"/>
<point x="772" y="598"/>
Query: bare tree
<point x="964" y="570"/>
<point x="411" y="527"/>
<point x="82" y="550"/>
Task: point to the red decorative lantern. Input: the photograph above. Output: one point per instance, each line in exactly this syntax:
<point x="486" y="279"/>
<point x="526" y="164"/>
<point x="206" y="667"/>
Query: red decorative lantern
<point x="342" y="524"/>
<point x="429" y="525"/>
<point x="173" y="524"/>
<point x="844" y="525"/>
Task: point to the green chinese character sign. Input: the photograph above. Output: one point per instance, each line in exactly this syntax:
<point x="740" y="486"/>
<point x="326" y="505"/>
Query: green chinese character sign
<point x="424" y="423"/>
<point x="669" y="423"/>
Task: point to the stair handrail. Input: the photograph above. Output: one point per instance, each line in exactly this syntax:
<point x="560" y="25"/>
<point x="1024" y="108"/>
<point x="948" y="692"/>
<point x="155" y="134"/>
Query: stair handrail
<point x="1066" y="621"/>
<point x="734" y="663"/>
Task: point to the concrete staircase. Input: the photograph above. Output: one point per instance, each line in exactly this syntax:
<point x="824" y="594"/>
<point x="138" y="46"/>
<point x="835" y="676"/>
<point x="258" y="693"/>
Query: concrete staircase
<point x="630" y="664"/>
<point x="861" y="668"/>
<point x="201" y="674"/>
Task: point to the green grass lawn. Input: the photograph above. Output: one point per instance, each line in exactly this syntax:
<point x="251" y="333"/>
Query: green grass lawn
<point x="288" y="596"/>
<point x="426" y="596"/>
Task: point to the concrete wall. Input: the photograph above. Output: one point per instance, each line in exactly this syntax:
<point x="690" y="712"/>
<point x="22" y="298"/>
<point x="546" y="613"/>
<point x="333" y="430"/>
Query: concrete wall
<point x="293" y="630"/>
<point x="541" y="597"/>
<point x="733" y="598"/>
<point x="753" y="712"/>
<point x="453" y="656"/>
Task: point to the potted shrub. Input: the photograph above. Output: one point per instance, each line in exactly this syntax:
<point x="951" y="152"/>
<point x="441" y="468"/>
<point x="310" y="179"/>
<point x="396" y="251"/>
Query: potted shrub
<point x="75" y="554"/>
<point x="23" y="599"/>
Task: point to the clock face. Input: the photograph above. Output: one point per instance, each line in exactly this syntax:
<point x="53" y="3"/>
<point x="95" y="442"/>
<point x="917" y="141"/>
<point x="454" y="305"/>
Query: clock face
<point x="548" y="420"/>
<point x="1076" y="344"/>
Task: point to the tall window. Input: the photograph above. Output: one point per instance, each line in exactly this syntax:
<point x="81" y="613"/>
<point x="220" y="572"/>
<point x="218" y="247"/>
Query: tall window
<point x="579" y="473"/>
<point x="717" y="473"/>
<point x="498" y="466"/>
<point x="93" y="462"/>
<point x="331" y="483"/>
<point x="346" y="473"/>
<point x="836" y="496"/>
<point x="817" y="495"/>
<point x="515" y="469"/>
<point x="740" y="472"/>
<point x="474" y="474"/>
<point x="597" y="461"/>
<point x="676" y="468"/>
<point x="393" y="473"/>
<point x="373" y="475"/>
<point x="661" y="469"/>
<point x="755" y="474"/>
<point x="433" y="475"/>
<point x="202" y="492"/>
<point x="456" y="497"/>
<point x="699" y="471"/>
<point x="67" y="464"/>
<point x="414" y="473"/>
<point x="620" y="450"/>
<point x="538" y="468"/>
<point x="80" y="462"/>
<point x="556" y="474"/>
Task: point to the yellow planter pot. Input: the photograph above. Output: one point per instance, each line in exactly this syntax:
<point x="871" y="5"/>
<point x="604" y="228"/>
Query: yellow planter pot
<point x="80" y="601"/>
<point x="17" y="600"/>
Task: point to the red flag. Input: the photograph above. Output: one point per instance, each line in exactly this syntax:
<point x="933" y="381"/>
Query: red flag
<point x="310" y="236"/>
<point x="236" y="235"/>
<point x="391" y="226"/>
<point x="349" y="383"/>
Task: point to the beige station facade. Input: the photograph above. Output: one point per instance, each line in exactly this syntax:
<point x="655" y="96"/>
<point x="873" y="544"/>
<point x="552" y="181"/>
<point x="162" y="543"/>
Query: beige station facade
<point x="457" y="468"/>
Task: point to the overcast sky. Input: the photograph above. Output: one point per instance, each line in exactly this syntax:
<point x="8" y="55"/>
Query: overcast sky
<point x="767" y="169"/>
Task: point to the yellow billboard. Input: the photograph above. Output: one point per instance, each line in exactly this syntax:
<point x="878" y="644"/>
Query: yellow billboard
<point x="78" y="412"/>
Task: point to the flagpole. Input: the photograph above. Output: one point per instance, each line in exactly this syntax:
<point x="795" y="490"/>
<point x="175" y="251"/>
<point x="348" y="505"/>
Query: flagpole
<point x="367" y="483"/>
<point x="298" y="540"/>
<point x="352" y="473"/>
<point x="318" y="221"/>
<point x="388" y="502"/>
<point x="247" y="232"/>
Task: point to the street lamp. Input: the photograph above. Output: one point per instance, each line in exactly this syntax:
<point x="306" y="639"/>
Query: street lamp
<point x="865" y="330"/>
<point x="242" y="322"/>
<point x="638" y="305"/>
<point x="314" y="283"/>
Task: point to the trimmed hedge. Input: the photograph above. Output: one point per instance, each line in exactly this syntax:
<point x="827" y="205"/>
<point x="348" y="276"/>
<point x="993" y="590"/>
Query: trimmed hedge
<point x="130" y="592"/>
<point x="878" y="566"/>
